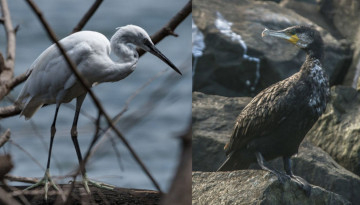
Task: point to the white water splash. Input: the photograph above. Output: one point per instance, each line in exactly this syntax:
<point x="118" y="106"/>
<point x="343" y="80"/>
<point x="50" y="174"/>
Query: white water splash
<point x="357" y="75"/>
<point x="224" y="27"/>
<point x="198" y="44"/>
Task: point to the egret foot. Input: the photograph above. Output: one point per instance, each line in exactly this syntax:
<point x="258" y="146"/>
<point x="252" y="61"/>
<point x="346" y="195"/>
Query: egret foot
<point x="44" y="181"/>
<point x="86" y="181"/>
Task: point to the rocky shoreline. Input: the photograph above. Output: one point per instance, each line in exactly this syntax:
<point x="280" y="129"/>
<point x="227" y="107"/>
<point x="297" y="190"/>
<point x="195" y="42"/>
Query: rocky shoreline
<point x="226" y="76"/>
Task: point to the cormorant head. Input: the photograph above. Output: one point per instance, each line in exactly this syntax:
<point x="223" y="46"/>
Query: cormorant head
<point x="303" y="37"/>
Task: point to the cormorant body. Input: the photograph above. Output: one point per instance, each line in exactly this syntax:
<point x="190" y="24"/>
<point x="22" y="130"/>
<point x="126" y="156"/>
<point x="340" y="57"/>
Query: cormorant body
<point x="276" y="121"/>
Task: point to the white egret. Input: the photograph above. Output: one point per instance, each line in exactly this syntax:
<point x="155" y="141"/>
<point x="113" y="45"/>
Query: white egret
<point x="52" y="82"/>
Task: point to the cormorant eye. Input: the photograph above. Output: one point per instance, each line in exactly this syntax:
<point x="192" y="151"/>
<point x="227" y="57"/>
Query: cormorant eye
<point x="292" y="32"/>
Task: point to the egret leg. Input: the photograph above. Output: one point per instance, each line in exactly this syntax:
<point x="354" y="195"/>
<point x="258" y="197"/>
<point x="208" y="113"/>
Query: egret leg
<point x="300" y="181"/>
<point x="74" y="133"/>
<point x="260" y="160"/>
<point x="46" y="179"/>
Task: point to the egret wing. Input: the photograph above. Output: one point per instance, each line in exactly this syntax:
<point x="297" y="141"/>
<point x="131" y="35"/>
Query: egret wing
<point x="50" y="74"/>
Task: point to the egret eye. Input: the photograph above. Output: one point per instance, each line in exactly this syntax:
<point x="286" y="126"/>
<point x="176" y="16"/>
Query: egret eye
<point x="146" y="42"/>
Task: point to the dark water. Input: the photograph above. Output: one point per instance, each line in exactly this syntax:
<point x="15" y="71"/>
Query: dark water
<point x="154" y="119"/>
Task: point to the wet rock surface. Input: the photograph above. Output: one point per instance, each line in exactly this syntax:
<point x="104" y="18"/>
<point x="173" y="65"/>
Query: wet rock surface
<point x="227" y="66"/>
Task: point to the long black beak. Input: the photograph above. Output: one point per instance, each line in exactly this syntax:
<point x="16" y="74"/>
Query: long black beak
<point x="157" y="53"/>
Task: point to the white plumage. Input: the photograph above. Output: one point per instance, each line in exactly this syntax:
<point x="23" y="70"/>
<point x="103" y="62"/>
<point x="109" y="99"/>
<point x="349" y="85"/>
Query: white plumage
<point x="51" y="81"/>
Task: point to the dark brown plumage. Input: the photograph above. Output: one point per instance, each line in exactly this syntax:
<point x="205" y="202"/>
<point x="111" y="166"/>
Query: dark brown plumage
<point x="275" y="122"/>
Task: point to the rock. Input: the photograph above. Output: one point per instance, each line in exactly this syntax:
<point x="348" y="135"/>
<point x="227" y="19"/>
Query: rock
<point x="213" y="120"/>
<point x="254" y="187"/>
<point x="344" y="16"/>
<point x="310" y="9"/>
<point x="228" y="66"/>
<point x="338" y="130"/>
<point x="318" y="168"/>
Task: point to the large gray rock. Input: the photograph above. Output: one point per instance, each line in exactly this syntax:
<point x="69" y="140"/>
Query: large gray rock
<point x="318" y="168"/>
<point x="223" y="68"/>
<point x="344" y="16"/>
<point x="254" y="187"/>
<point x="338" y="130"/>
<point x="310" y="9"/>
<point x="213" y="121"/>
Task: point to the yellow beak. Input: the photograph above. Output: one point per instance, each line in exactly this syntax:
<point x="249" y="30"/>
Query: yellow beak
<point x="293" y="39"/>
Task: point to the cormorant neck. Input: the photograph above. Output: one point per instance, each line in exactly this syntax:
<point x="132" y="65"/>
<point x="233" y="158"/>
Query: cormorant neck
<point x="312" y="58"/>
<point x="315" y="50"/>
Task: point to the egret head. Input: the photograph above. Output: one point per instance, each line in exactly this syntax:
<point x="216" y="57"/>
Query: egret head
<point x="136" y="36"/>
<point x="303" y="37"/>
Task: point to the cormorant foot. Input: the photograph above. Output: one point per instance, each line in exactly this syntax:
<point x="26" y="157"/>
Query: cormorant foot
<point x="282" y="177"/>
<point x="303" y="184"/>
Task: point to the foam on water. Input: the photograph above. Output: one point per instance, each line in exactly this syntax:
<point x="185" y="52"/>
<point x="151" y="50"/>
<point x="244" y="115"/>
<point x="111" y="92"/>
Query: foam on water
<point x="224" y="27"/>
<point x="198" y="44"/>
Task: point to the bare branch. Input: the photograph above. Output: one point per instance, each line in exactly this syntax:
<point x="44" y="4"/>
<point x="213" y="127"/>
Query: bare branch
<point x="6" y="198"/>
<point x="10" y="35"/>
<point x="7" y="68"/>
<point x="180" y="190"/>
<point x="18" y="80"/>
<point x="30" y="180"/>
<point x="6" y="166"/>
<point x="5" y="137"/>
<point x="2" y="63"/>
<point x="92" y="95"/>
<point x="87" y="16"/>
<point x="10" y="84"/>
<point x="169" y="28"/>
<point x="9" y="111"/>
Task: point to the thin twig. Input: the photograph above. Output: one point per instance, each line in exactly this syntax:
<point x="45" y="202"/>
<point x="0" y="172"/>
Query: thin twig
<point x="30" y="180"/>
<point x="87" y="16"/>
<point x="93" y="97"/>
<point x="21" y="196"/>
<point x="5" y="137"/>
<point x="169" y="28"/>
<point x="27" y="153"/>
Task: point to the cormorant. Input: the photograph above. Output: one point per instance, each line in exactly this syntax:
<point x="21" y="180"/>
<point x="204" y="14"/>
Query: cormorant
<point x="275" y="122"/>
